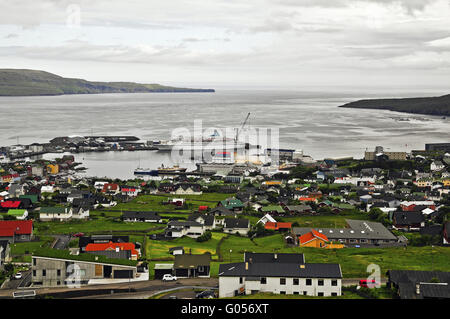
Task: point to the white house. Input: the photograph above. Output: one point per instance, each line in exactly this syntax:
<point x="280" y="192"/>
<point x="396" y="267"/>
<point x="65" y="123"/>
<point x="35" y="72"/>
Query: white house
<point x="80" y="213"/>
<point x="436" y="166"/>
<point x="279" y="274"/>
<point x="266" y="218"/>
<point x="176" y="229"/>
<point x="55" y="213"/>
<point x="236" y="225"/>
<point x="47" y="189"/>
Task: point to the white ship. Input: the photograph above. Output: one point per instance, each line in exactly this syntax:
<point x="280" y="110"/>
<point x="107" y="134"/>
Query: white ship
<point x="212" y="144"/>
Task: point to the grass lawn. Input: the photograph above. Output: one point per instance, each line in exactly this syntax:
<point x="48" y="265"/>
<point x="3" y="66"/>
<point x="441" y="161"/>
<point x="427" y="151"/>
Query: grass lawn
<point x="90" y="226"/>
<point x="21" y="252"/>
<point x="153" y="202"/>
<point x="160" y="249"/>
<point x="353" y="261"/>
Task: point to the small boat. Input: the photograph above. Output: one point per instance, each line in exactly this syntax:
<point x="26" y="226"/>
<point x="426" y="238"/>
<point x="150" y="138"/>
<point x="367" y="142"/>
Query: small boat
<point x="145" y="171"/>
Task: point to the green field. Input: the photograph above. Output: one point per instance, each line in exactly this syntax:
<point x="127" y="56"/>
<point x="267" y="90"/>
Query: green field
<point x="160" y="249"/>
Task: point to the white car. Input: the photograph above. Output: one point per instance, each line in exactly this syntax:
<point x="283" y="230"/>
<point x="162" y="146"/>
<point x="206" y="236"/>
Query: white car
<point x="18" y="275"/>
<point x="169" y="277"/>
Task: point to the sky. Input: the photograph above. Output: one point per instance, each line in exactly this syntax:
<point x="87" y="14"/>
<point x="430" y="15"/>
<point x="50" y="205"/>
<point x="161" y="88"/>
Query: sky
<point x="233" y="44"/>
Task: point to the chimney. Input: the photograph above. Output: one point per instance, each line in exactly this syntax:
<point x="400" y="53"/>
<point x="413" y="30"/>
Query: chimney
<point x="418" y="289"/>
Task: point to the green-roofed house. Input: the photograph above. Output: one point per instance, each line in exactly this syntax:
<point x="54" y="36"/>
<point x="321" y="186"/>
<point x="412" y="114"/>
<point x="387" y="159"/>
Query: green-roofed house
<point x="55" y="213"/>
<point x="232" y="204"/>
<point x="274" y="209"/>
<point x="19" y="214"/>
<point x="34" y="198"/>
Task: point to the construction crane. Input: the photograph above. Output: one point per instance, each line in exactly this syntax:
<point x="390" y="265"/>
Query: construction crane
<point x="242" y="126"/>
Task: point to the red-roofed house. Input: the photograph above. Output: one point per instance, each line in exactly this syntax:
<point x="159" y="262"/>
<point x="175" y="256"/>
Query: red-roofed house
<point x="111" y="189"/>
<point x="316" y="240"/>
<point x="307" y="199"/>
<point x="16" y="230"/>
<point x="130" y="191"/>
<point x="278" y="226"/>
<point x="10" y="204"/>
<point x="114" y="247"/>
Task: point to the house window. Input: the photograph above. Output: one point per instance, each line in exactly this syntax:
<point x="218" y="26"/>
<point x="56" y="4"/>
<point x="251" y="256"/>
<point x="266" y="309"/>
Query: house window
<point x="296" y="282"/>
<point x="282" y="281"/>
<point x="305" y="293"/>
<point x="44" y="272"/>
<point x="282" y="292"/>
<point x="334" y="282"/>
<point x="320" y="282"/>
<point x="334" y="294"/>
<point x="201" y="269"/>
<point x="240" y="280"/>
<point x="58" y="272"/>
<point x="263" y="281"/>
<point x="309" y="282"/>
<point x="34" y="273"/>
<point x="320" y="294"/>
<point x="34" y="261"/>
<point x="296" y="292"/>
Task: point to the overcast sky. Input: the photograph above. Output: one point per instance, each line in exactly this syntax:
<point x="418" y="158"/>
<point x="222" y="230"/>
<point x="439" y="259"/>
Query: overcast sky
<point x="228" y="43"/>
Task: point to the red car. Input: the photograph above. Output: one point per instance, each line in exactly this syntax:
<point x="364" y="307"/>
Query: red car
<point x="366" y="283"/>
<point x="78" y="235"/>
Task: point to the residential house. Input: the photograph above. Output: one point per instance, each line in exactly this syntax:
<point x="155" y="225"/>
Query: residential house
<point x="207" y="220"/>
<point x="358" y="232"/>
<point x="19" y="214"/>
<point x="51" y="271"/>
<point x="316" y="240"/>
<point x="188" y="266"/>
<point x="100" y="239"/>
<point x="266" y="218"/>
<point x="179" y="250"/>
<point x="278" y="226"/>
<point x="279" y="274"/>
<point x="415" y="284"/>
<point x="236" y="226"/>
<point x="409" y="221"/>
<point x="147" y="217"/>
<point x="176" y="229"/>
<point x="232" y="204"/>
<point x="55" y="213"/>
<point x="111" y="189"/>
<point x="114" y="250"/>
<point x="16" y="230"/>
<point x="437" y="166"/>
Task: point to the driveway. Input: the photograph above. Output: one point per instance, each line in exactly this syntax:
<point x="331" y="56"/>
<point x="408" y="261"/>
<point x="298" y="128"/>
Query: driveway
<point x="62" y="241"/>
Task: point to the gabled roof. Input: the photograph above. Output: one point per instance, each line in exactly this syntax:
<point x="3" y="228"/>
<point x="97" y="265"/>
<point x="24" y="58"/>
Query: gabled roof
<point x="277" y="225"/>
<point x="112" y="246"/>
<point x="19" y="227"/>
<point x="313" y="234"/>
<point x="192" y="261"/>
<point x="236" y="223"/>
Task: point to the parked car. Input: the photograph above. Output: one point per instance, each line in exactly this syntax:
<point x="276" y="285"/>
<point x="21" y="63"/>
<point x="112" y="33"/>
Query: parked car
<point x="173" y="297"/>
<point x="169" y="277"/>
<point x="206" y="294"/>
<point x="365" y="283"/>
<point x="18" y="275"/>
<point x="78" y="235"/>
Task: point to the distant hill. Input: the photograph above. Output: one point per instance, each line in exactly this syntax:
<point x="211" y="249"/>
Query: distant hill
<point x="15" y="82"/>
<point x="424" y="105"/>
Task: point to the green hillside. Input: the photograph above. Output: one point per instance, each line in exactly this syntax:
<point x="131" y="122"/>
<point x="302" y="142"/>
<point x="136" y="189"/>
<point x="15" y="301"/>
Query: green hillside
<point x="425" y="105"/>
<point x="15" y="82"/>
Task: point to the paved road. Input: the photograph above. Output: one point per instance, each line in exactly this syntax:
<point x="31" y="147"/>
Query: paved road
<point x="144" y="288"/>
<point x="16" y="283"/>
<point x="62" y="241"/>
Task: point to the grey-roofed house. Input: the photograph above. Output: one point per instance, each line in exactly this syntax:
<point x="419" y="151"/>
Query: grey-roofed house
<point x="207" y="220"/>
<point x="408" y="220"/>
<point x="414" y="284"/>
<point x="236" y="225"/>
<point x="358" y="232"/>
<point x="279" y="274"/>
<point x="148" y="217"/>
<point x="176" y="229"/>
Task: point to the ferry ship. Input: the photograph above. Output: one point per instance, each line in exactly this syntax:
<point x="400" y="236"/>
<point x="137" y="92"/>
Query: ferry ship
<point x="160" y="170"/>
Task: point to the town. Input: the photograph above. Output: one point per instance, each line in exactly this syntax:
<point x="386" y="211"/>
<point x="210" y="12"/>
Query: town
<point x="303" y="228"/>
